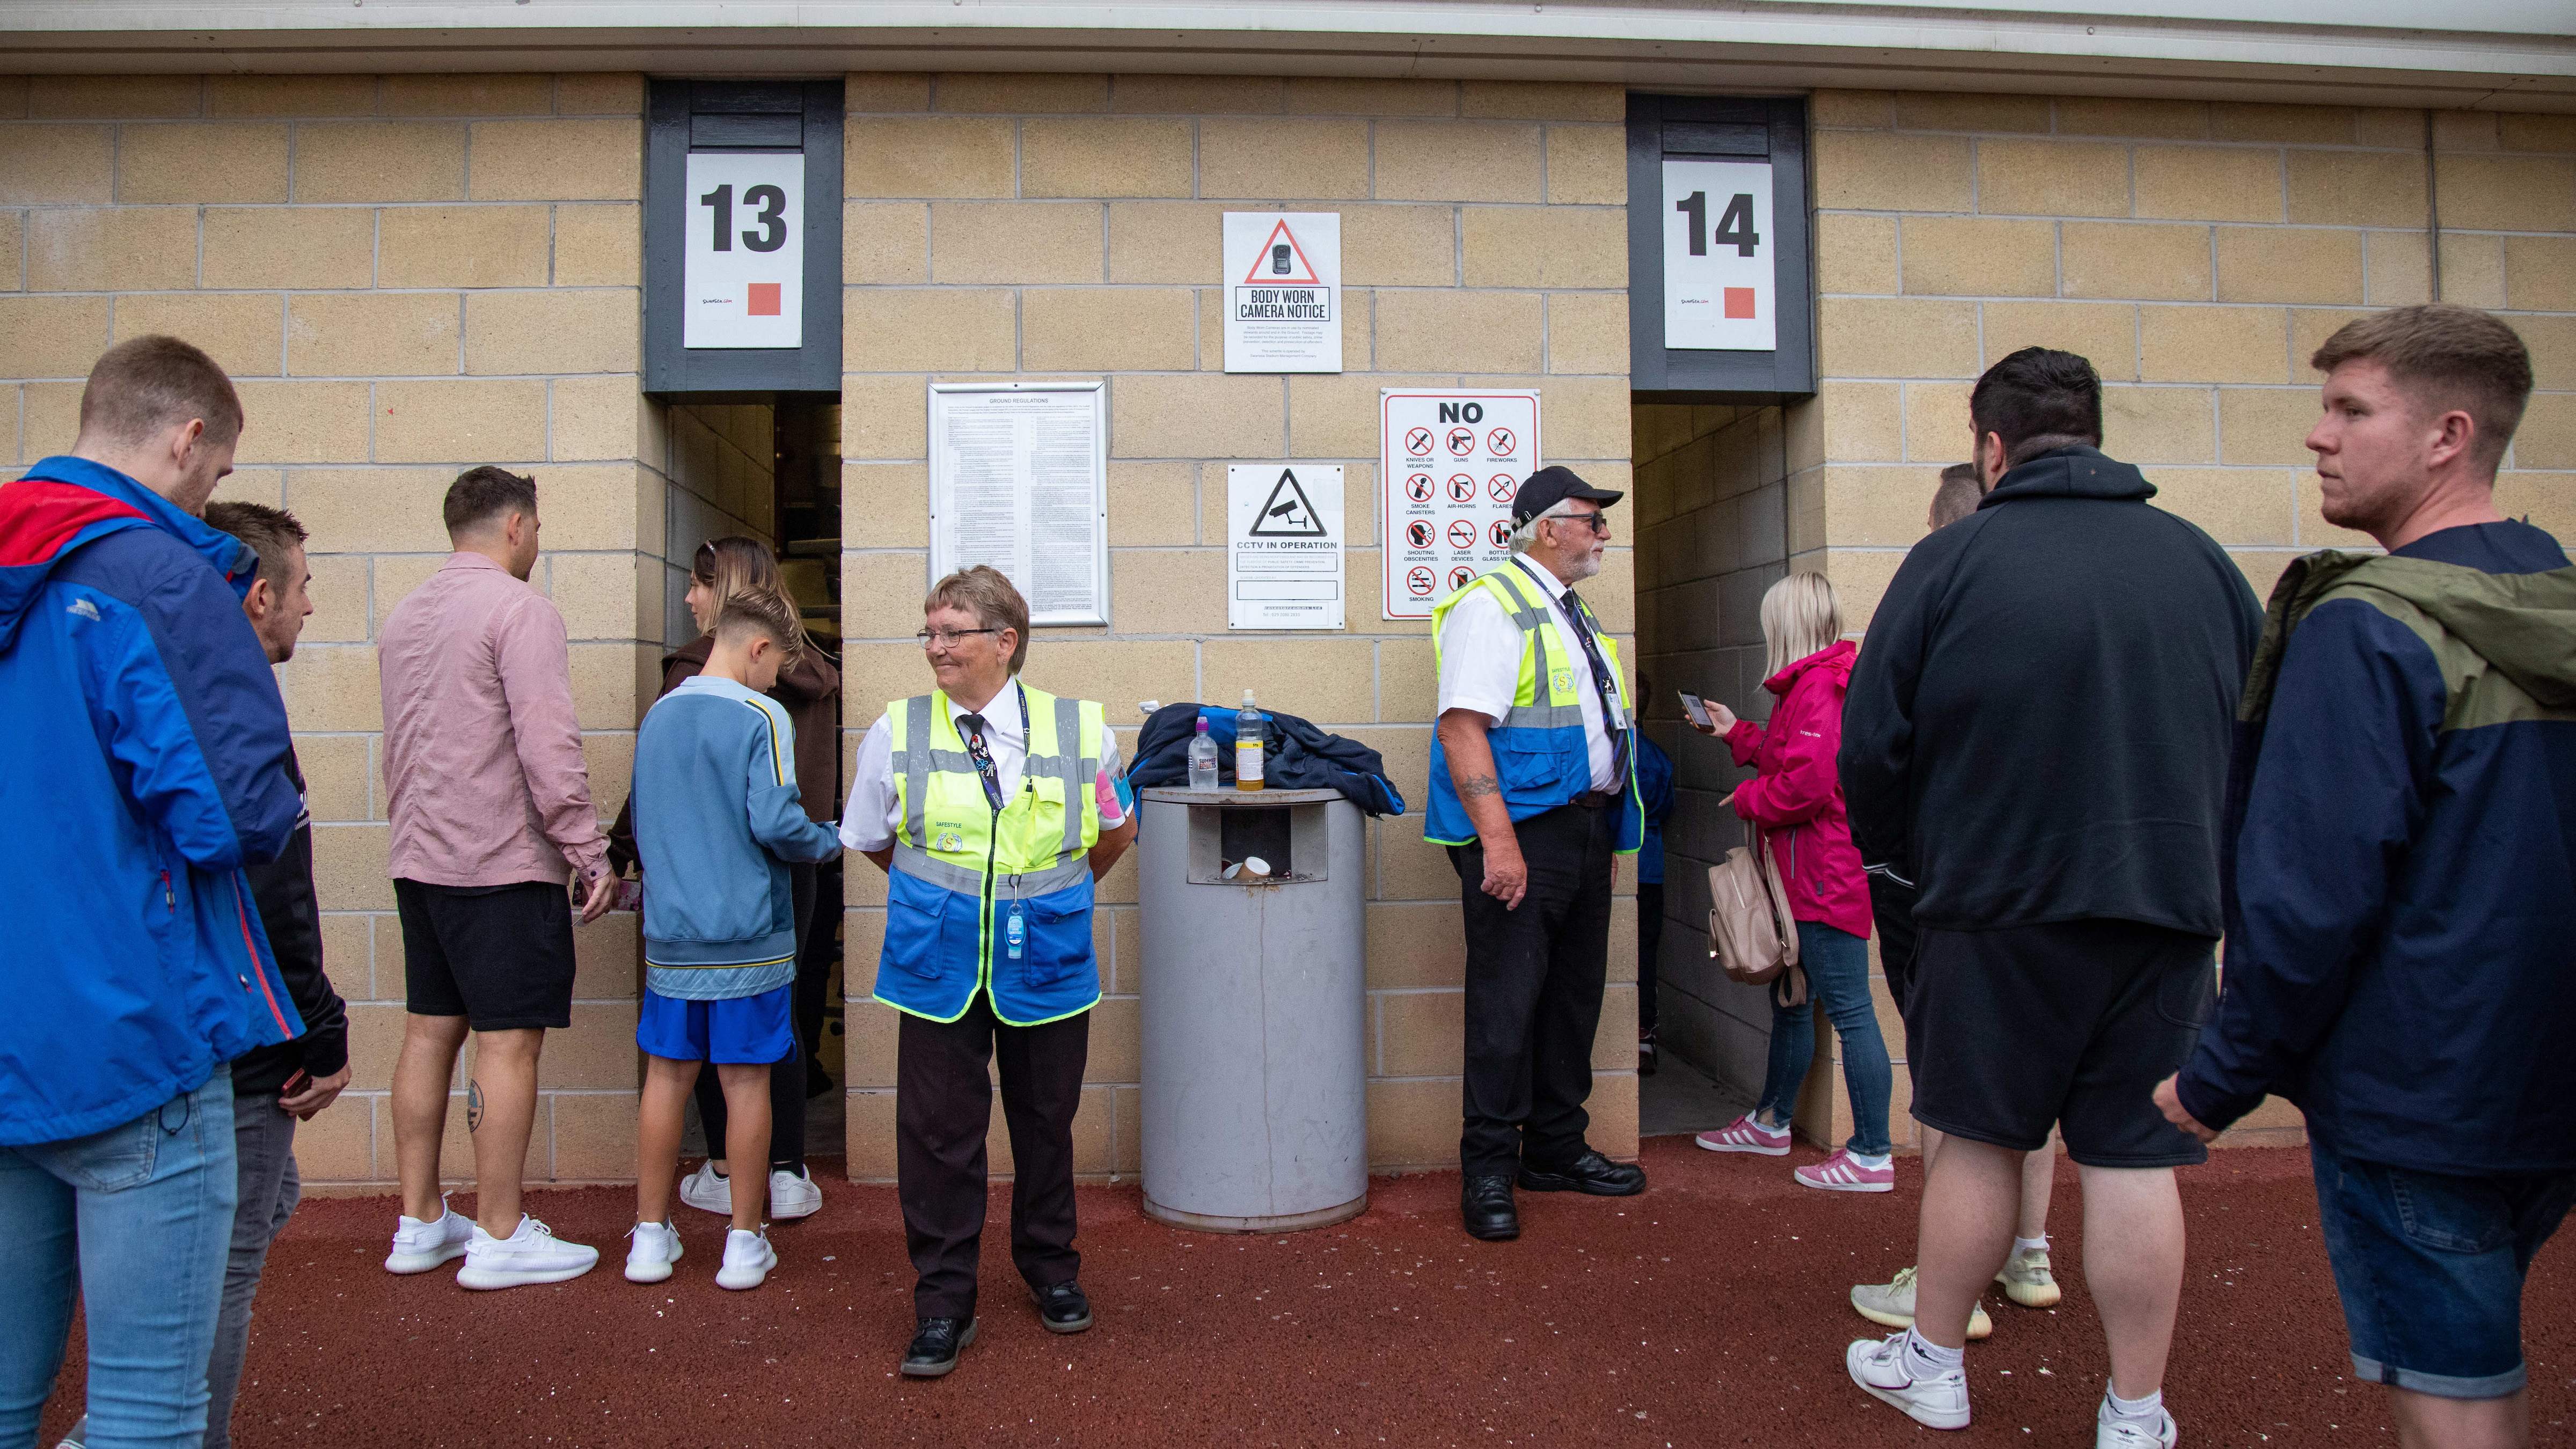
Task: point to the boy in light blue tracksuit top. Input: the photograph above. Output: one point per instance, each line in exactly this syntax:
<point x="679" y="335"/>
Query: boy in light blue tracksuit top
<point x="717" y="820"/>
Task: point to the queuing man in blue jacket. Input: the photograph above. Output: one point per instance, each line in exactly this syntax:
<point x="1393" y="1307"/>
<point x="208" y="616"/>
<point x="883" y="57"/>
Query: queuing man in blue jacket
<point x="2403" y="832"/>
<point x="146" y="763"/>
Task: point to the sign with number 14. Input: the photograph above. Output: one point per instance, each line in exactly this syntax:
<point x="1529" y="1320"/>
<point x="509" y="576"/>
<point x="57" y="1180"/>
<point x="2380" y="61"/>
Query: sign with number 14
<point x="1718" y="290"/>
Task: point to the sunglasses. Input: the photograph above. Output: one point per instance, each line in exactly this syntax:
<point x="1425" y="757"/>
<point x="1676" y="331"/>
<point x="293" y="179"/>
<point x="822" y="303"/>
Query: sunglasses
<point x="1599" y="523"/>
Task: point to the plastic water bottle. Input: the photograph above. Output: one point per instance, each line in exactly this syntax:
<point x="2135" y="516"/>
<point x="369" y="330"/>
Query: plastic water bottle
<point x="1203" y="758"/>
<point x="1247" y="745"/>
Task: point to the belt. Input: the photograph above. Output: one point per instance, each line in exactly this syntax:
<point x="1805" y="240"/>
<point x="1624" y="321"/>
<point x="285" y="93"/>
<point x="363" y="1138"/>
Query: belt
<point x="1596" y="799"/>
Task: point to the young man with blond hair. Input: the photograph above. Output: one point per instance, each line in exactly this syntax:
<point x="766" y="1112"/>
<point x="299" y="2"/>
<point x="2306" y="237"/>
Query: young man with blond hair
<point x="148" y="765"/>
<point x="2403" y="832"/>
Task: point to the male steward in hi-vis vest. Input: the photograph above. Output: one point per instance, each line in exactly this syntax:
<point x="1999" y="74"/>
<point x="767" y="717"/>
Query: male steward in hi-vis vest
<point x="1533" y="789"/>
<point x="992" y="808"/>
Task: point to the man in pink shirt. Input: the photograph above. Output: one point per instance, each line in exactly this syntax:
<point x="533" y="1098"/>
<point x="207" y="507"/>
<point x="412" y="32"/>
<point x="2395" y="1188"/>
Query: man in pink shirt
<point x="491" y="815"/>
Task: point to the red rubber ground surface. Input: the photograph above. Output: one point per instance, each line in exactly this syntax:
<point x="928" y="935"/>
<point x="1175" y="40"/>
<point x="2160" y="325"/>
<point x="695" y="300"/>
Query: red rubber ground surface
<point x="1708" y="1311"/>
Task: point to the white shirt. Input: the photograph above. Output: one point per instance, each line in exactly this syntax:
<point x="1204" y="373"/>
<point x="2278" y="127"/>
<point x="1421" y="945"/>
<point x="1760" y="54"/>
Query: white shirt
<point x="1480" y="664"/>
<point x="874" y="814"/>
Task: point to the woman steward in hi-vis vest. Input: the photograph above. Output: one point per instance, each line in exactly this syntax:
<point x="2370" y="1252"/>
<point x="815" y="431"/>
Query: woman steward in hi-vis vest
<point x="992" y="807"/>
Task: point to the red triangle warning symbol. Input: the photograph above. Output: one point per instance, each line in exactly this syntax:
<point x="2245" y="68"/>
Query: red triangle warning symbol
<point x="1282" y="262"/>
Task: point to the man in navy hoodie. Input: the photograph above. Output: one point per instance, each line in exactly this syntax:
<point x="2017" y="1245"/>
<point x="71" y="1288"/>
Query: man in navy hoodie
<point x="142" y="728"/>
<point x="2402" y="824"/>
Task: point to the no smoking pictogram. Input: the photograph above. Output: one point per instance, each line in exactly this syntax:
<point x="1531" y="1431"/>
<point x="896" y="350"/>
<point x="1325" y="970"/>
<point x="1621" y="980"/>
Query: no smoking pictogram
<point x="1462" y="488"/>
<point x="1418" y="533"/>
<point x="1419" y="581"/>
<point x="1417" y="441"/>
<point x="1462" y="441"/>
<point x="1499" y="442"/>
<point x="1502" y="486"/>
<point x="1462" y="534"/>
<point x="1418" y="487"/>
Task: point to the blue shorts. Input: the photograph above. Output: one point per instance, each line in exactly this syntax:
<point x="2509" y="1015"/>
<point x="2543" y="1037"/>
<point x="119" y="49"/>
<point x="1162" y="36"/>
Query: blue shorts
<point x="755" y="1030"/>
<point x="2430" y="1270"/>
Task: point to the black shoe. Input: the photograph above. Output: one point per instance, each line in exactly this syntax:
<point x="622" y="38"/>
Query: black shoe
<point x="1645" y="1053"/>
<point x="1486" y="1203"/>
<point x="1592" y="1173"/>
<point x="934" y="1350"/>
<point x="818" y="1082"/>
<point x="1062" y="1307"/>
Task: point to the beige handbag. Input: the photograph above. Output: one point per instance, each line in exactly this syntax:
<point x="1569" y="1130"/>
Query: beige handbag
<point x="1751" y="935"/>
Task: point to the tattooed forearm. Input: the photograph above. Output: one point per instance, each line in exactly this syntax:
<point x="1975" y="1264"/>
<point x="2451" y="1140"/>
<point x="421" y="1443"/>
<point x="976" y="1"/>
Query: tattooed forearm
<point x="473" y="1106"/>
<point x="1477" y="786"/>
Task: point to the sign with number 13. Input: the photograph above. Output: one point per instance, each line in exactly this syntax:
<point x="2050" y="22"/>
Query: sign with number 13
<point x="745" y="260"/>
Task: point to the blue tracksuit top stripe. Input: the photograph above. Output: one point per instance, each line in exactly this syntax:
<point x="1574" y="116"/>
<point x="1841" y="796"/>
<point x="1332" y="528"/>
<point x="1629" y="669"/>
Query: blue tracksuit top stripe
<point x="2397" y="947"/>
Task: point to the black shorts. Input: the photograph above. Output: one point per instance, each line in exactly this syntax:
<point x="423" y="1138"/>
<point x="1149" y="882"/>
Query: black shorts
<point x="2071" y="1023"/>
<point x="1891" y="908"/>
<point x="499" y="956"/>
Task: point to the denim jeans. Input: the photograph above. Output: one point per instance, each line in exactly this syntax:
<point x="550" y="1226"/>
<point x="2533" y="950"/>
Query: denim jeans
<point x="2430" y="1269"/>
<point x="138" y="1217"/>
<point x="1837" y="967"/>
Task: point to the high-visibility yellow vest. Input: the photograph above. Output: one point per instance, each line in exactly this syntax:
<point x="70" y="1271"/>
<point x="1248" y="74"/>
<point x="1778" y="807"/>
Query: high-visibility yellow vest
<point x="1540" y="757"/>
<point x="962" y="872"/>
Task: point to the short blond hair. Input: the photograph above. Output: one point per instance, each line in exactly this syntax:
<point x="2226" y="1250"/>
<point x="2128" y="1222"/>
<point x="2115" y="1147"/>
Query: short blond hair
<point x="986" y="593"/>
<point x="2444" y="356"/>
<point x="765" y="613"/>
<point x="737" y="567"/>
<point x="1800" y="616"/>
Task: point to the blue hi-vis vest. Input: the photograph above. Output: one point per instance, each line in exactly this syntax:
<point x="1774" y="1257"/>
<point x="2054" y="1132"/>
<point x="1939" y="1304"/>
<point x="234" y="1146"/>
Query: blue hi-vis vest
<point x="1540" y="758"/>
<point x="961" y="871"/>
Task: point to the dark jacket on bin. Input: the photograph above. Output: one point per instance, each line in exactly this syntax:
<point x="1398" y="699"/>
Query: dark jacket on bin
<point x="1294" y="756"/>
<point x="2040" y="717"/>
<point x="2403" y="827"/>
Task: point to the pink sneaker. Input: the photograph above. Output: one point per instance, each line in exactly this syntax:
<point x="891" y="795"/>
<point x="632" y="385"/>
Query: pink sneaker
<point x="1746" y="1135"/>
<point x="1840" y="1173"/>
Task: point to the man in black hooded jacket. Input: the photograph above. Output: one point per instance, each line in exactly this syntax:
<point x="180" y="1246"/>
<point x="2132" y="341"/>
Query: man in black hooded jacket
<point x="2039" y="726"/>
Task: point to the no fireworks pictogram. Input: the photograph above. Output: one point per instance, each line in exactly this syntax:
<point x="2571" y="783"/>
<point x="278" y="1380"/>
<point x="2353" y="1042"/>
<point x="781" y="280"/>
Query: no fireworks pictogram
<point x="1499" y="442"/>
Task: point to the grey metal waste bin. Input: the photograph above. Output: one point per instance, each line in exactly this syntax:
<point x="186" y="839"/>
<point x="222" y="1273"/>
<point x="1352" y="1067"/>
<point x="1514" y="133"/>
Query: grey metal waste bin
<point x="1256" y="1094"/>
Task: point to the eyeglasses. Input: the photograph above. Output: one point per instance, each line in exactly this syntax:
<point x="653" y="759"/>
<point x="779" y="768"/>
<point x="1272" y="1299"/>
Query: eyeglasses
<point x="948" y="638"/>
<point x="1598" y="523"/>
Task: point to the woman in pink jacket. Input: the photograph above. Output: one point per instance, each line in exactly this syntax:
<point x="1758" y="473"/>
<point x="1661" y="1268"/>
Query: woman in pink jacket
<point x="1796" y="799"/>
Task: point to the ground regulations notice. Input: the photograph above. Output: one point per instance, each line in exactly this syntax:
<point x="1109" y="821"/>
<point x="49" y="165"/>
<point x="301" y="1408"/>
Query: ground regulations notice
<point x="1019" y="480"/>
<point x="1283" y="291"/>
<point x="1450" y="462"/>
<point x="1283" y="541"/>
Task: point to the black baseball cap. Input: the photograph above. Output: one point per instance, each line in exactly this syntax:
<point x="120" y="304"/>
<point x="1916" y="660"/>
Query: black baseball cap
<point x="1551" y="486"/>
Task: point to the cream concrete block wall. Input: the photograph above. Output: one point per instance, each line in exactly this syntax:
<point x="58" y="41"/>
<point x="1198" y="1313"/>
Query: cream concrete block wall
<point x="1069" y="226"/>
<point x="2198" y="253"/>
<point x="408" y="276"/>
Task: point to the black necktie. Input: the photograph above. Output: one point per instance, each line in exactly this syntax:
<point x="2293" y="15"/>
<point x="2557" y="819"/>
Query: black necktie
<point x="982" y="755"/>
<point x="1607" y="687"/>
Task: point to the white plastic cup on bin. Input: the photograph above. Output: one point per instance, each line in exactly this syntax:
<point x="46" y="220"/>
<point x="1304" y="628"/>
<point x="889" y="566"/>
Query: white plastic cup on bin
<point x="1253" y="1009"/>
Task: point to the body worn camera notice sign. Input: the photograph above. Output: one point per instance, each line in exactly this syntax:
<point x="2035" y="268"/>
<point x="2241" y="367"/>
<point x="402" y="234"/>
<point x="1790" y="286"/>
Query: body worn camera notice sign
<point x="743" y="271"/>
<point x="1283" y="285"/>
<point x="1283" y="542"/>
<point x="1719" y="291"/>
<point x="1448" y="464"/>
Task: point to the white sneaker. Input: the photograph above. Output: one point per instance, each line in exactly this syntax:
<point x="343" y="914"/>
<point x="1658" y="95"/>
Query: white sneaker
<point x="708" y="1190"/>
<point x="655" y="1247"/>
<point x="792" y="1195"/>
<point x="419" y="1246"/>
<point x="2110" y="1433"/>
<point x="748" y="1259"/>
<point x="1879" y="1368"/>
<point x="533" y="1254"/>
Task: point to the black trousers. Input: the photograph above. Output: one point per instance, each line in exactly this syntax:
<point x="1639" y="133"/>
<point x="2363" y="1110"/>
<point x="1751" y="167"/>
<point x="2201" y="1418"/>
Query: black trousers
<point x="1650" y="938"/>
<point x="1534" y="977"/>
<point x="786" y="1076"/>
<point x="944" y="1107"/>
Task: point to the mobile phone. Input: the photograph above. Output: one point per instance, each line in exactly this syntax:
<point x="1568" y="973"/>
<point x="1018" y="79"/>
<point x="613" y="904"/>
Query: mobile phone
<point x="1697" y="708"/>
<point x="296" y="1083"/>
